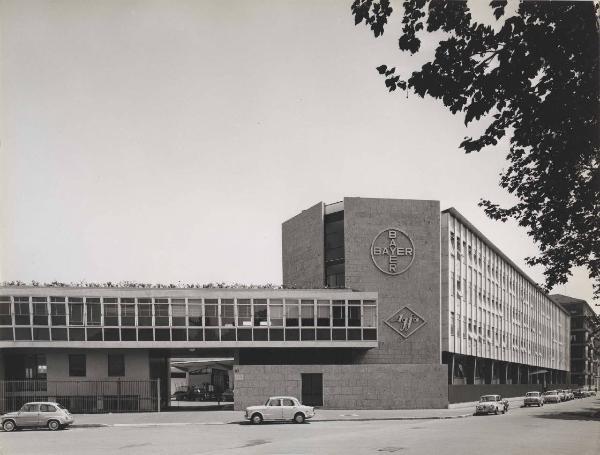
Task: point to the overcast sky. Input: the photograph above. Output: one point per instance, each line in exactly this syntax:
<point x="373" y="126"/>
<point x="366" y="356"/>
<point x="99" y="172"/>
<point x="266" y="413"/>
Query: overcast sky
<point x="165" y="141"/>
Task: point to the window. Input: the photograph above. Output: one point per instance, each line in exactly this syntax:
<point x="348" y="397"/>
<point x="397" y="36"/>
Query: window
<point x="195" y="313"/>
<point x="94" y="313"/>
<point x="5" y="315"/>
<point x="127" y="314"/>
<point x="354" y="313"/>
<point x="22" y="311"/>
<point x="276" y="310"/>
<point x="292" y="313"/>
<point x="323" y="313"/>
<point x="77" y="365"/>
<point x="244" y="312"/>
<point x="307" y="313"/>
<point x="211" y="316"/>
<point x="274" y="402"/>
<point x="260" y="312"/>
<point x="178" y="313"/>
<point x="40" y="313"/>
<point x="161" y="314"/>
<point x="227" y="313"/>
<point x="334" y="250"/>
<point x="75" y="312"/>
<point x="339" y="313"/>
<point x="29" y="408"/>
<point x="287" y="402"/>
<point x="369" y="316"/>
<point x="111" y="314"/>
<point x="47" y="408"/>
<point x="144" y="314"/>
<point x="116" y="365"/>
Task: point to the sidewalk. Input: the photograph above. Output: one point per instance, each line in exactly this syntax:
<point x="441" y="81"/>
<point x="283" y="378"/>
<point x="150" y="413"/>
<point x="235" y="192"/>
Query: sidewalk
<point x="181" y="418"/>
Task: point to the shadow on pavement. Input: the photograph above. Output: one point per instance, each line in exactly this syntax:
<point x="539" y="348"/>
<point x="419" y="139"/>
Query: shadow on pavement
<point x="589" y="414"/>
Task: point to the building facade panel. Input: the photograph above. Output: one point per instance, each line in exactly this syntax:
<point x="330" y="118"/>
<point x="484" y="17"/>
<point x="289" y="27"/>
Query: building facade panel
<point x="302" y="241"/>
<point x="493" y="310"/>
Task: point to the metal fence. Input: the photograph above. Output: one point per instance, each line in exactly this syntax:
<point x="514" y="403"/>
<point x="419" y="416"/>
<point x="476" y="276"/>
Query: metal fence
<point x="83" y="397"/>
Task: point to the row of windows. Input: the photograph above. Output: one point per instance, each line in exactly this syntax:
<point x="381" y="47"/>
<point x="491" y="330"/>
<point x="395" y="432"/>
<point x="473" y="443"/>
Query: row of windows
<point x="194" y="312"/>
<point x="183" y="334"/>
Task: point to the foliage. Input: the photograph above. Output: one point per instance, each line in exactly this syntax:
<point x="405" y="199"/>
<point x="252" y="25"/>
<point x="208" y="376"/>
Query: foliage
<point x="134" y="284"/>
<point x="535" y="79"/>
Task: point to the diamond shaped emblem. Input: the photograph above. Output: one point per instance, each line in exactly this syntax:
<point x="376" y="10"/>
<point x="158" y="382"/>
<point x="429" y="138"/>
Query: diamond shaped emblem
<point x="405" y="321"/>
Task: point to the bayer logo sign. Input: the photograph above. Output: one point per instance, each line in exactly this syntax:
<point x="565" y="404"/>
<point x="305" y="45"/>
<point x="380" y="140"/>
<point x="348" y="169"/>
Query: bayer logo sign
<point x="392" y="251"/>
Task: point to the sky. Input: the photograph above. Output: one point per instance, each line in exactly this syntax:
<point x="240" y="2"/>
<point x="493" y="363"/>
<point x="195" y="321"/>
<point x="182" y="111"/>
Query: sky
<point x="166" y="141"/>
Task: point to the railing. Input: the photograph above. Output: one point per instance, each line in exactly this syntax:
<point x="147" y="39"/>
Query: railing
<point x="83" y="397"/>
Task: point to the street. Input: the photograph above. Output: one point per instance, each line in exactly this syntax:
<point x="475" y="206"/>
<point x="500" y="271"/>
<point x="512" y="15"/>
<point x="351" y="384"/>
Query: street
<point x="553" y="429"/>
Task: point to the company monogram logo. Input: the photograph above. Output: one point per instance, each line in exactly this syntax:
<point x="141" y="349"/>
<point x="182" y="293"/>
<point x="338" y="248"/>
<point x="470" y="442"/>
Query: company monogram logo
<point x="392" y="251"/>
<point x="405" y="321"/>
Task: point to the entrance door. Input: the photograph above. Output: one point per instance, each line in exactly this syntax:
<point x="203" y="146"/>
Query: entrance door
<point x="312" y="389"/>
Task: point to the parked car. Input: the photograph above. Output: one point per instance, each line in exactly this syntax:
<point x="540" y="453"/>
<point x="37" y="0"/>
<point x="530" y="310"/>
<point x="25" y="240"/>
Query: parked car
<point x="533" y="398"/>
<point x="227" y="395"/>
<point x="570" y="394"/>
<point x="38" y="414"/>
<point x="280" y="408"/>
<point x="579" y="393"/>
<point x="561" y="395"/>
<point x="491" y="404"/>
<point x="551" y="396"/>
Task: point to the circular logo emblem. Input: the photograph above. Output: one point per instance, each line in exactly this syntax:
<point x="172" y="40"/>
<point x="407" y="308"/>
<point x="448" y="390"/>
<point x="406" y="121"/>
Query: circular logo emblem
<point x="392" y="251"/>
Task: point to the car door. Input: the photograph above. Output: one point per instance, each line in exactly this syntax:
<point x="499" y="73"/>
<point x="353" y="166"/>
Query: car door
<point x="288" y="409"/>
<point x="273" y="409"/>
<point x="47" y="411"/>
<point x="28" y="415"/>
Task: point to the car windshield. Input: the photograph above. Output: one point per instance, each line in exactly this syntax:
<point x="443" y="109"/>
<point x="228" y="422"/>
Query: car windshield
<point x="532" y="394"/>
<point x="488" y="398"/>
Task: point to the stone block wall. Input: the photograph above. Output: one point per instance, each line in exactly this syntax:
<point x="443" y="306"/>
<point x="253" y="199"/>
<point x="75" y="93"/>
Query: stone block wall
<point x="303" y="256"/>
<point x="371" y="386"/>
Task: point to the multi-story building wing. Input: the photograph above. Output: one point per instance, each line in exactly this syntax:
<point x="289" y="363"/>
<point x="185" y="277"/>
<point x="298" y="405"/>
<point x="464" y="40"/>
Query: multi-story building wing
<point x="585" y="359"/>
<point x="499" y="326"/>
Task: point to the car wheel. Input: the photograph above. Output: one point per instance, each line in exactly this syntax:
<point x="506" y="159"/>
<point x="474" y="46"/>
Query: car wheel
<point x="9" y="425"/>
<point x="53" y="425"/>
<point x="256" y="419"/>
<point x="299" y="418"/>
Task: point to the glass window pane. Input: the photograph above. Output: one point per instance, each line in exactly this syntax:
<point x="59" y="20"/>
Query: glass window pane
<point x="354" y="316"/>
<point x="339" y="313"/>
<point x="75" y="313"/>
<point x="244" y="312"/>
<point x="211" y="310"/>
<point x="127" y="314"/>
<point x="5" y="314"/>
<point x="195" y="314"/>
<point x="94" y="314"/>
<point x="178" y="314"/>
<point x="144" y="314"/>
<point x="111" y="314"/>
<point x="260" y="312"/>
<point x="307" y="314"/>
<point x="276" y="309"/>
<point x="161" y="314"/>
<point x="227" y="313"/>
<point x="323" y="315"/>
<point x="292" y="313"/>
<point x="369" y="316"/>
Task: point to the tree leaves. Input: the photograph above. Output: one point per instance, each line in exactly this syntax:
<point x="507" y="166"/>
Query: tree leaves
<point x="537" y="77"/>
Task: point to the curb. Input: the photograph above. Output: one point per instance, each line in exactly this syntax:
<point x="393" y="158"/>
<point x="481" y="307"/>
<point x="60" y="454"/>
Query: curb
<point x="244" y="422"/>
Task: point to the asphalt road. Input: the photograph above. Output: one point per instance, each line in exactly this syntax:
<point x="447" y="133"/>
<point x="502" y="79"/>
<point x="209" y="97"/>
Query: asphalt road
<point x="571" y="427"/>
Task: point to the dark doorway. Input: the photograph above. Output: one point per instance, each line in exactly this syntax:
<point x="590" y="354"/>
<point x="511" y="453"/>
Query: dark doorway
<point x="312" y="389"/>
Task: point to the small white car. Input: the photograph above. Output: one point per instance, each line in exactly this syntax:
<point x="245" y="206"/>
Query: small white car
<point x="551" y="396"/>
<point x="533" y="398"/>
<point x="280" y="408"/>
<point x="491" y="404"/>
<point x="38" y="414"/>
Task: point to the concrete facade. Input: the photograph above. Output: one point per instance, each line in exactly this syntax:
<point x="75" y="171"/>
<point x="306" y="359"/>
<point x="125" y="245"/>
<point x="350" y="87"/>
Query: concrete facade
<point x="367" y="386"/>
<point x="418" y="288"/>
<point x="137" y="366"/>
<point x="302" y="249"/>
<point x="404" y="370"/>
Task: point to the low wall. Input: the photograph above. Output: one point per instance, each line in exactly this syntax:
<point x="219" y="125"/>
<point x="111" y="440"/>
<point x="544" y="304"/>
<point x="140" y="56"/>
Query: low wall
<point x="365" y="386"/>
<point x="461" y="393"/>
